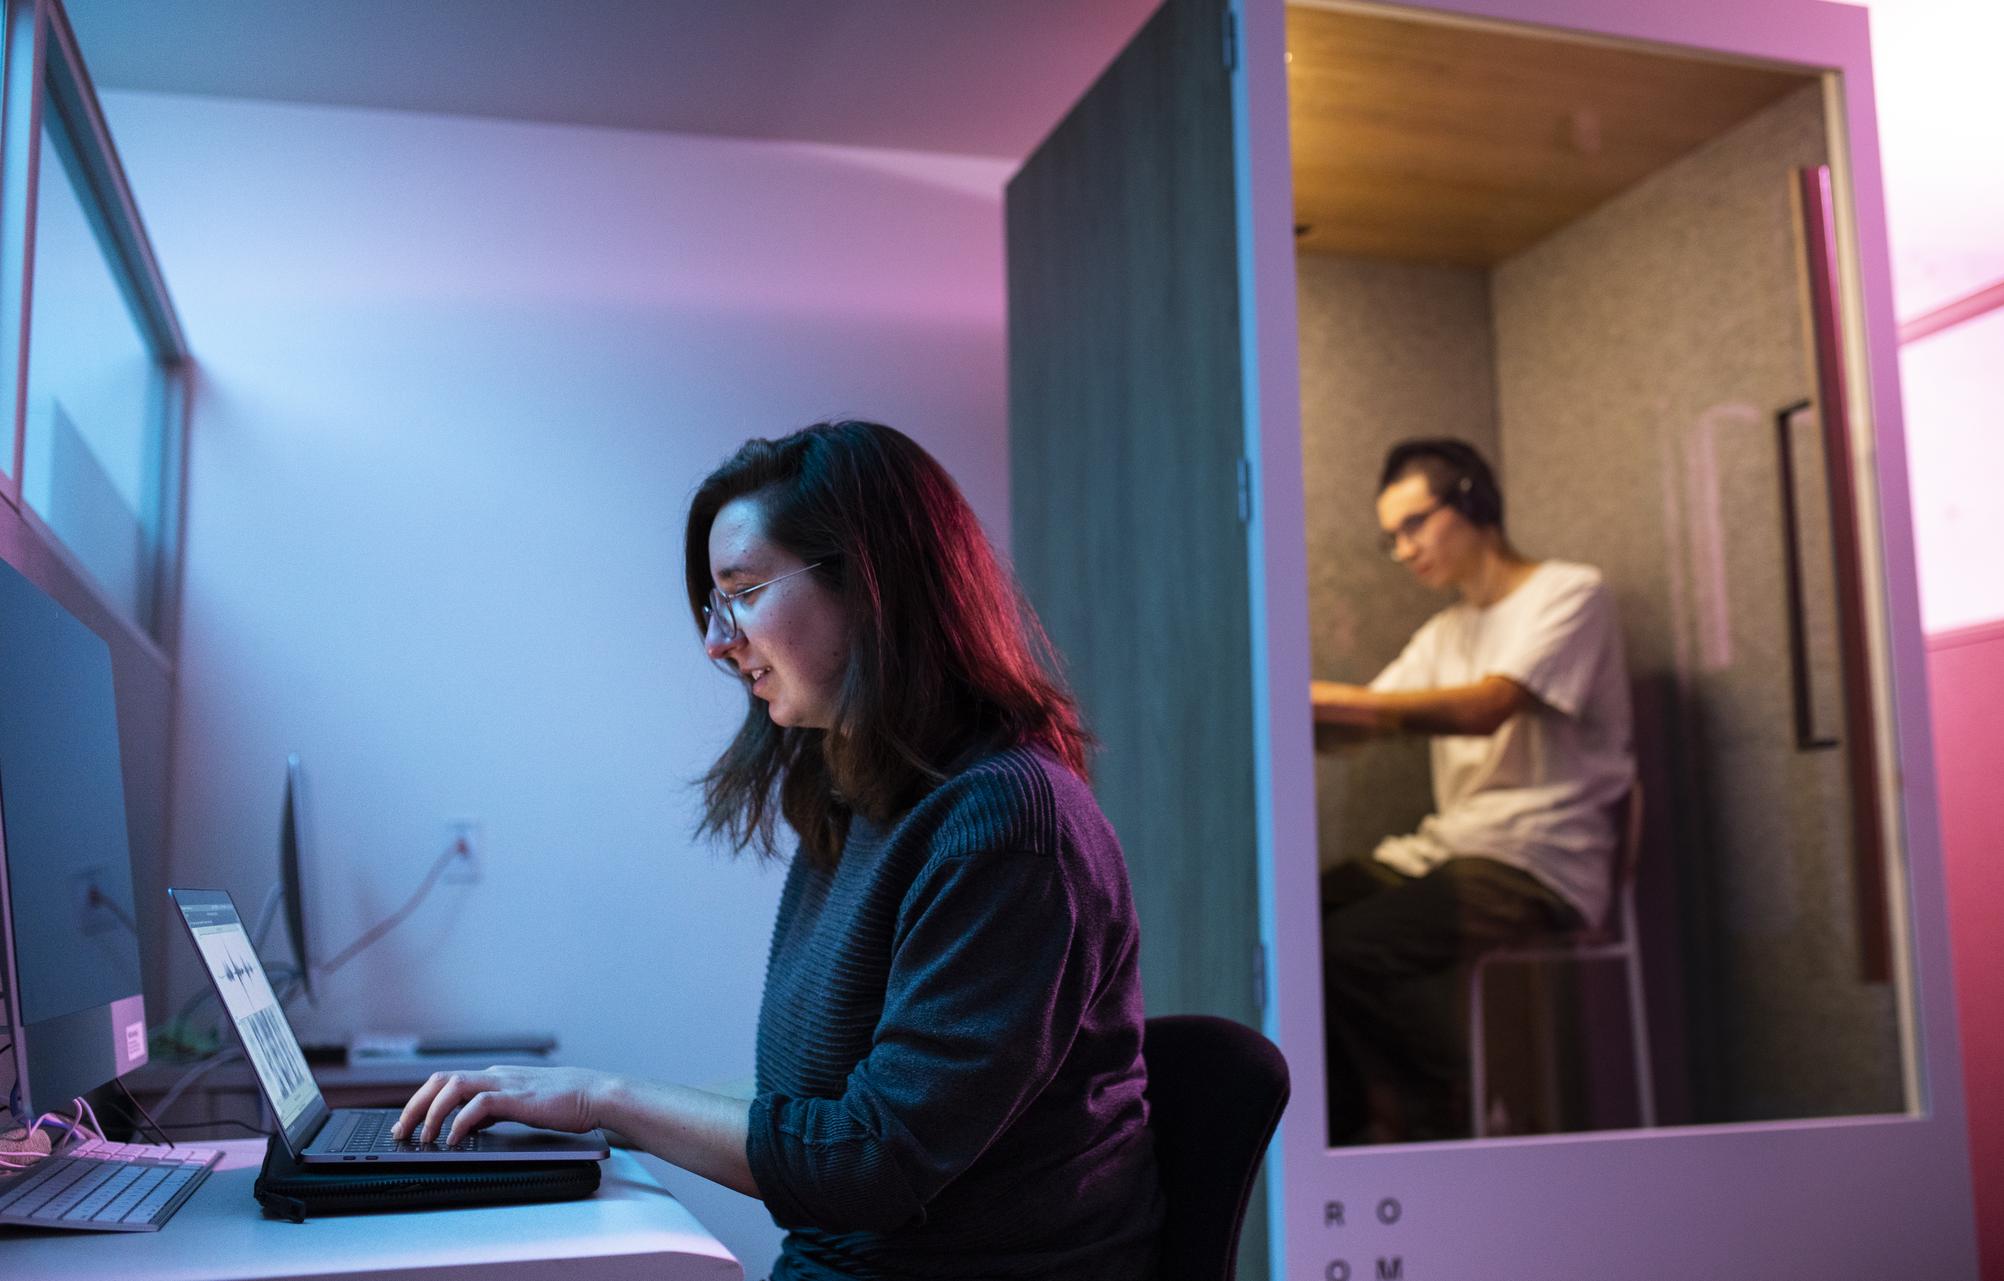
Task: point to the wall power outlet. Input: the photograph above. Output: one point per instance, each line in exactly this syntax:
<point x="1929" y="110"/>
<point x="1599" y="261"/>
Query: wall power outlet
<point x="463" y="837"/>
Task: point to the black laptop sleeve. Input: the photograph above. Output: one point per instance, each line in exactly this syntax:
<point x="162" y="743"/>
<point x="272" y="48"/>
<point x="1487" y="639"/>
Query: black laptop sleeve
<point x="288" y="1190"/>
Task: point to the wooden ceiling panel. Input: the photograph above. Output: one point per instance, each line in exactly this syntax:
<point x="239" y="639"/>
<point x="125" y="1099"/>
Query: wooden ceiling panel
<point x="1437" y="142"/>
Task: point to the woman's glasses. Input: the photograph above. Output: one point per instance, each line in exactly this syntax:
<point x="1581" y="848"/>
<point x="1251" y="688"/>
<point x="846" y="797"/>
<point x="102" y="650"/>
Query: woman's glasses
<point x="720" y="616"/>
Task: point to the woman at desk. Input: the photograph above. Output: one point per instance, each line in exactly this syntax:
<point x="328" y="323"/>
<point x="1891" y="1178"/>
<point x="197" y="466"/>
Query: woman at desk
<point x="949" y="1075"/>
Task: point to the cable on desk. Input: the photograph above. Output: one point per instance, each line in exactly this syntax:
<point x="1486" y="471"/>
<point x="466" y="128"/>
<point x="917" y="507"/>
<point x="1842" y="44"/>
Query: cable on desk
<point x="72" y="1128"/>
<point x="196" y="1073"/>
<point x="150" y="1122"/>
<point x="231" y="1122"/>
<point x="162" y="1130"/>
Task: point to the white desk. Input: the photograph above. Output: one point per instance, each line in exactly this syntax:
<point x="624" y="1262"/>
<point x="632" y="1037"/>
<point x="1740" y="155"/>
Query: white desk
<point x="630" y="1229"/>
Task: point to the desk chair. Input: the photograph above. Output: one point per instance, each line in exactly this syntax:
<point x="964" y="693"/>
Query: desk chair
<point x="1613" y="939"/>
<point x="1215" y="1093"/>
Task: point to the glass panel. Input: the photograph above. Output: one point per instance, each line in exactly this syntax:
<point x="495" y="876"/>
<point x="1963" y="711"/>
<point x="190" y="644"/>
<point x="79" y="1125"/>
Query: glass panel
<point x="90" y="468"/>
<point x="1617" y="325"/>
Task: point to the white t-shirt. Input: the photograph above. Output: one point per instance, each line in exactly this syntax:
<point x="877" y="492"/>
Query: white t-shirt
<point x="1539" y="792"/>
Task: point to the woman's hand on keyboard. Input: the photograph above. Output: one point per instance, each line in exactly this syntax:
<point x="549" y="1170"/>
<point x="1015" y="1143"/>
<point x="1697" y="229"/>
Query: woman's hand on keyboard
<point x="556" y="1098"/>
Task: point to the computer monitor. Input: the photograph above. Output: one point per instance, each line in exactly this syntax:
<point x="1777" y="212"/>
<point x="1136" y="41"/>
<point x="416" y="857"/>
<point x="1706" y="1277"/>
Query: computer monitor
<point x="291" y="870"/>
<point x="76" y="1018"/>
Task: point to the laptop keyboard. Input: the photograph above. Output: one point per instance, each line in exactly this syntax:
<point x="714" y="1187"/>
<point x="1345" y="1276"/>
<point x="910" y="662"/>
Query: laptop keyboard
<point x="106" y="1187"/>
<point x="371" y="1133"/>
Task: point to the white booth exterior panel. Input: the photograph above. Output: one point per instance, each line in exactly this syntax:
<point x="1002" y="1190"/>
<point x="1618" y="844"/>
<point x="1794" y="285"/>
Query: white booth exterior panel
<point x="1877" y="1195"/>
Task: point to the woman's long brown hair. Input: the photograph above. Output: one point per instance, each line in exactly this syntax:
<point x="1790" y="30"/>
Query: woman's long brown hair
<point x="946" y="659"/>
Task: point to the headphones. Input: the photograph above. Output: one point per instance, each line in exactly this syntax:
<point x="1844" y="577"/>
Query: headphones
<point x="1469" y="487"/>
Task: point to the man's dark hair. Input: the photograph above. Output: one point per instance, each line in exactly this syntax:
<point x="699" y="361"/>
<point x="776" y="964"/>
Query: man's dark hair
<point x="1455" y="471"/>
<point x="946" y="660"/>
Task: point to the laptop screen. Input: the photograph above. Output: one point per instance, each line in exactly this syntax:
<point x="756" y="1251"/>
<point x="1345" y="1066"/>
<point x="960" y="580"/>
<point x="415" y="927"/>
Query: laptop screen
<point x="261" y="1025"/>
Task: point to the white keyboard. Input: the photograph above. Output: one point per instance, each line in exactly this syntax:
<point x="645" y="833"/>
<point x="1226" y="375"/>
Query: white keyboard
<point x="105" y="1187"/>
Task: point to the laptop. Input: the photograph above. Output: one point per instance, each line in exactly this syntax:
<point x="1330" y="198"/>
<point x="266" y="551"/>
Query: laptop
<point x="315" y="1134"/>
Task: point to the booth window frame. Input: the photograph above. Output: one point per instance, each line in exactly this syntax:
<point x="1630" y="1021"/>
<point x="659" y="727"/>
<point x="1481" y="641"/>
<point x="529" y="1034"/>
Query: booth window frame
<point x="43" y="78"/>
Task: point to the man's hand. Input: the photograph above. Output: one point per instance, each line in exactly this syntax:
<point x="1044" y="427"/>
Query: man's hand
<point x="1344" y="713"/>
<point x="1344" y="706"/>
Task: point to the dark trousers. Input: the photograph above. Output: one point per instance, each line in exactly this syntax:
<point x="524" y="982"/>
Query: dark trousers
<point x="1394" y="948"/>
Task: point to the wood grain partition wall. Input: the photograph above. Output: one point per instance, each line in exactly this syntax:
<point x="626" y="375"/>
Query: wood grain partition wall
<point x="1126" y="434"/>
<point x="1125" y="437"/>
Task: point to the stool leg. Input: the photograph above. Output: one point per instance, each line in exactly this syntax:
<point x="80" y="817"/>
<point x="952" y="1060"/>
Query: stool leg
<point x="1478" y="1087"/>
<point x="1638" y="1026"/>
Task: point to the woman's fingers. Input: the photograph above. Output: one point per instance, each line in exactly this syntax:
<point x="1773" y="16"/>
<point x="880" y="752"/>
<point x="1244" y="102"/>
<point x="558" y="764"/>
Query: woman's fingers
<point x="554" y="1097"/>
<point x="458" y="1088"/>
<point x="472" y="1117"/>
<point x="419" y="1103"/>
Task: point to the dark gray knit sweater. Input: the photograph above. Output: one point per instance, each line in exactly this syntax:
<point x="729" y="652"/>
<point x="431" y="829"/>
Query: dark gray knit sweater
<point x="949" y="1048"/>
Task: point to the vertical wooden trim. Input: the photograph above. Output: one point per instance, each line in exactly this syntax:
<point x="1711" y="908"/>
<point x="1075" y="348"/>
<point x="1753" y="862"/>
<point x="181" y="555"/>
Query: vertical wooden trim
<point x="1807" y="739"/>
<point x="1868" y="856"/>
<point x="1911" y="818"/>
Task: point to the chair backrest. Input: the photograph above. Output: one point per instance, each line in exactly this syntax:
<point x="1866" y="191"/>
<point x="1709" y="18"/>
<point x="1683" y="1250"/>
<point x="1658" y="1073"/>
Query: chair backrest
<point x="1215" y="1093"/>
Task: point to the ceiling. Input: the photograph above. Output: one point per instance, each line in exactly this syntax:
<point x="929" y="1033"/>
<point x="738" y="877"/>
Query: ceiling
<point x="972" y="77"/>
<point x="1412" y="139"/>
<point x="1455" y="143"/>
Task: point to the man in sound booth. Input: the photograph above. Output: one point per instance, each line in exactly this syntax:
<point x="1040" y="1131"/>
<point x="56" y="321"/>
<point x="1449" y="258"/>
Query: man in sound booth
<point x="1522" y="687"/>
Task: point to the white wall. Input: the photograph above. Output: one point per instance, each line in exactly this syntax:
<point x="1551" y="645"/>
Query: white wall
<point x="1953" y="382"/>
<point x="1941" y="123"/>
<point x="458" y="378"/>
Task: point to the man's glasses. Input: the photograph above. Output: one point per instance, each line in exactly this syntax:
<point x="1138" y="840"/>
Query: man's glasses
<point x="1408" y="529"/>
<point x="720" y="616"/>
